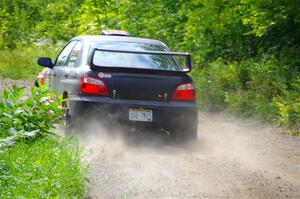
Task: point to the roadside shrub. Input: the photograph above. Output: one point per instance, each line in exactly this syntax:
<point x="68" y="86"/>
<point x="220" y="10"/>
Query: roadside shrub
<point x="214" y="82"/>
<point x="288" y="107"/>
<point x="34" y="162"/>
<point x="262" y="87"/>
<point x="30" y="117"/>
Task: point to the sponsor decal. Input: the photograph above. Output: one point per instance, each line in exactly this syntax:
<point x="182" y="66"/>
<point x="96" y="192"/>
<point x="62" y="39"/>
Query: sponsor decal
<point x="104" y="75"/>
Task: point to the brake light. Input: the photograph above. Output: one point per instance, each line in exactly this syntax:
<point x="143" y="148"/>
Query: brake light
<point x="93" y="86"/>
<point x="42" y="76"/>
<point x="184" y="92"/>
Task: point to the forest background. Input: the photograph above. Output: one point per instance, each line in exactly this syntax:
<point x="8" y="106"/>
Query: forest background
<point x="245" y="52"/>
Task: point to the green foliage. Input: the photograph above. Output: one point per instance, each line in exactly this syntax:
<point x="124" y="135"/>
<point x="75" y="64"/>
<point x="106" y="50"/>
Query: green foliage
<point x="47" y="168"/>
<point x="288" y="107"/>
<point x="24" y="22"/>
<point x="252" y="87"/>
<point x="21" y="63"/>
<point x="30" y="117"/>
<point x="34" y="163"/>
<point x="215" y="82"/>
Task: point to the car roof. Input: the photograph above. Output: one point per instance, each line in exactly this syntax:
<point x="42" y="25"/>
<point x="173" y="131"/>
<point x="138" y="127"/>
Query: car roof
<point x="99" y="38"/>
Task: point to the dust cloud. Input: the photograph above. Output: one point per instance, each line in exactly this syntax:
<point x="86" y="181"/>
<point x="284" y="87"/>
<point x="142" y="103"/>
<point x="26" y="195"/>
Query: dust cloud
<point x="232" y="158"/>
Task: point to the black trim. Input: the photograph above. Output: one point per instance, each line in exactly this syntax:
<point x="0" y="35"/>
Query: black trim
<point x="108" y="100"/>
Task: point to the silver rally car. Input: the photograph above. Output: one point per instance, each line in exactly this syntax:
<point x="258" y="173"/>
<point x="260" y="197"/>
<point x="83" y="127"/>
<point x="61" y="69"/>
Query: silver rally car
<point x="135" y="81"/>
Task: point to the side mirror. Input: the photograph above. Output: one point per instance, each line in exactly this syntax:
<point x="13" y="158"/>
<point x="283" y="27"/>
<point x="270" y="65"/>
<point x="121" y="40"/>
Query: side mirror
<point x="45" y="61"/>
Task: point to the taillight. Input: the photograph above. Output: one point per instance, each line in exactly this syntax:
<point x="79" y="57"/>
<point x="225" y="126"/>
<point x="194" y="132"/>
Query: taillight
<point x="93" y="86"/>
<point x="42" y="76"/>
<point x="184" y="92"/>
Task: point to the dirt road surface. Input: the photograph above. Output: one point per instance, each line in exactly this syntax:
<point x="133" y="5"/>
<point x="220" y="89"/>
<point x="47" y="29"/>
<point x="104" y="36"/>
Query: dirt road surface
<point x="233" y="158"/>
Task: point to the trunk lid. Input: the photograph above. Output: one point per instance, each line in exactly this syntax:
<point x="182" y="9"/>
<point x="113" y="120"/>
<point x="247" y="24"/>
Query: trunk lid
<point x="142" y="86"/>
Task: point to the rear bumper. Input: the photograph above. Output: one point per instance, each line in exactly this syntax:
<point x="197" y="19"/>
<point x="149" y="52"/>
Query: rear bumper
<point x="165" y="114"/>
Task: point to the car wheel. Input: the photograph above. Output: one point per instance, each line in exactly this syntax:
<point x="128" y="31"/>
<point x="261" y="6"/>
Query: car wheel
<point x="69" y="122"/>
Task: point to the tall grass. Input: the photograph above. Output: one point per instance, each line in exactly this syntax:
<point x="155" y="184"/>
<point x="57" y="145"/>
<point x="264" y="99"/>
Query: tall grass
<point x="21" y="63"/>
<point x="51" y="167"/>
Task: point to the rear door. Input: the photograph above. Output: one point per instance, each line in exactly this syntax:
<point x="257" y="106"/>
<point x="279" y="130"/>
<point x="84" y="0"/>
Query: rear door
<point x="70" y="78"/>
<point x="57" y="74"/>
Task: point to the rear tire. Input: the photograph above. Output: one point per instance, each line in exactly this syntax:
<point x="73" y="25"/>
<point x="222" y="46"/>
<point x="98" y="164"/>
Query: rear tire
<point x="70" y="124"/>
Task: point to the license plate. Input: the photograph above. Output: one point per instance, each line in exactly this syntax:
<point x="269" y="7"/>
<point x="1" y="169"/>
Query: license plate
<point x="141" y="115"/>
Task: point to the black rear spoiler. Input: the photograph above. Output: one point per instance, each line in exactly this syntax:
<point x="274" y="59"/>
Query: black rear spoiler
<point x="187" y="56"/>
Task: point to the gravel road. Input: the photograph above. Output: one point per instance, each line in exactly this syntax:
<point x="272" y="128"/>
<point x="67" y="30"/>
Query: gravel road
<point x="233" y="158"/>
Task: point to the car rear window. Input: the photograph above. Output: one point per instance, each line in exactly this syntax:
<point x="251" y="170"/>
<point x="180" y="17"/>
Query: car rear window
<point x="131" y="60"/>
